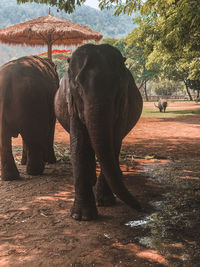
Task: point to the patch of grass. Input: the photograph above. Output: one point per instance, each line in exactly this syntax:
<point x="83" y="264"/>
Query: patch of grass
<point x="185" y="112"/>
<point x="62" y="153"/>
<point x="154" y="113"/>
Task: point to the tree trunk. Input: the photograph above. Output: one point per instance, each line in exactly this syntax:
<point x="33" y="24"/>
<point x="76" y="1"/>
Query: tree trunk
<point x="198" y="93"/>
<point x="188" y="91"/>
<point x="140" y="86"/>
<point x="145" y="90"/>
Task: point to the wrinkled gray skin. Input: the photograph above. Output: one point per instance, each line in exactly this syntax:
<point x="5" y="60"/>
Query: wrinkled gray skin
<point x="98" y="103"/>
<point x="27" y="89"/>
<point x="162" y="105"/>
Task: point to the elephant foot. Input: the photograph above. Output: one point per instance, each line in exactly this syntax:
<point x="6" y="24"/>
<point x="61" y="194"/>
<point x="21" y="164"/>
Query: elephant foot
<point x="36" y="169"/>
<point x="9" y="176"/>
<point x="104" y="200"/>
<point x="23" y="161"/>
<point x="84" y="212"/>
<point x="51" y="160"/>
<point x="104" y="196"/>
<point x="50" y="157"/>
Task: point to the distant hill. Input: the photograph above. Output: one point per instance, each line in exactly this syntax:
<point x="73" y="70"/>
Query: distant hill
<point x="101" y="21"/>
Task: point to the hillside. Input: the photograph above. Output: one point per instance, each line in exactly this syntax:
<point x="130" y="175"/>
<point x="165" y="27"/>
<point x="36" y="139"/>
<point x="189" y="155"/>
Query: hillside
<point x="102" y="21"/>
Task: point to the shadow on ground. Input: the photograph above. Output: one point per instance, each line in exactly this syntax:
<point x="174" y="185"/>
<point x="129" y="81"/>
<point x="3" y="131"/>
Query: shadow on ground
<point x="36" y="229"/>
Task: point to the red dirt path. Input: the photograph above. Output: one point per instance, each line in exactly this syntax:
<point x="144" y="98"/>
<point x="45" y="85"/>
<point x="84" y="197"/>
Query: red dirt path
<point x="35" y="227"/>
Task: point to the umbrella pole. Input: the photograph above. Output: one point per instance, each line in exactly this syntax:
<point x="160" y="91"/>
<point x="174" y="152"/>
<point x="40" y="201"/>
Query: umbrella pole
<point x="49" y="51"/>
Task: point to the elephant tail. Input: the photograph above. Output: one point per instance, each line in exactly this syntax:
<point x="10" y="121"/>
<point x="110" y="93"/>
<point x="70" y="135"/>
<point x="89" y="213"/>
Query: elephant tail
<point x="155" y="105"/>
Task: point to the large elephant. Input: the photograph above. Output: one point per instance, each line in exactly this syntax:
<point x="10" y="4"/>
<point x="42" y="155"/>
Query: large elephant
<point x="27" y="89"/>
<point x="98" y="103"/>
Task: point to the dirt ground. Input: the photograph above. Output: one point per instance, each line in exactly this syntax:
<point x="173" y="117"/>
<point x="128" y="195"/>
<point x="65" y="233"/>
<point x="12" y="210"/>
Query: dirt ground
<point x="160" y="159"/>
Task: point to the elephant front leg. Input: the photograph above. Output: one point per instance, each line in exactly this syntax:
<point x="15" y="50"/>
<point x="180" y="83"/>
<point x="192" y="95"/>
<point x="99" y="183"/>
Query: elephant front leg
<point x="9" y="170"/>
<point x="104" y="195"/>
<point x="84" y="171"/>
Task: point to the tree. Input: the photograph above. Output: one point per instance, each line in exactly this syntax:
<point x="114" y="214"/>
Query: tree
<point x="67" y="5"/>
<point x="194" y="85"/>
<point x="167" y="88"/>
<point x="135" y="61"/>
<point x="140" y="47"/>
<point x="169" y="32"/>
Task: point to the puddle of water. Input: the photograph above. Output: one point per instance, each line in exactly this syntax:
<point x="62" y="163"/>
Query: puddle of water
<point x="144" y="222"/>
<point x="138" y="223"/>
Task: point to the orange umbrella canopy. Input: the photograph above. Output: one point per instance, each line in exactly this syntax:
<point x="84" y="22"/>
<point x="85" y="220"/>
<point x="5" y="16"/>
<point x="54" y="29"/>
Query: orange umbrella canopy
<point x="48" y="30"/>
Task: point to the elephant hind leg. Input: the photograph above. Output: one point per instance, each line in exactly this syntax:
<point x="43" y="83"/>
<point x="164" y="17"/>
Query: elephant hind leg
<point x="33" y="154"/>
<point x="24" y="155"/>
<point x="50" y="155"/>
<point x="35" y="159"/>
<point x="34" y="137"/>
<point x="9" y="170"/>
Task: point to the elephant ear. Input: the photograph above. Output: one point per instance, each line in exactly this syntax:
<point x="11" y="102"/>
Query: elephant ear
<point x="81" y="77"/>
<point x="65" y="91"/>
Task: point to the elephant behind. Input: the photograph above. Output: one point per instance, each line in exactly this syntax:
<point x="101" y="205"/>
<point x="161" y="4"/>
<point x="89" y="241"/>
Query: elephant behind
<point x="27" y="89"/>
<point x="162" y="105"/>
<point x="98" y="103"/>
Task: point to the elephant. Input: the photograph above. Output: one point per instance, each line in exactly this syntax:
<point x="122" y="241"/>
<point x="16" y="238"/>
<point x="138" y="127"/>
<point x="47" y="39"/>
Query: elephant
<point x="27" y="89"/>
<point x="98" y="103"/>
<point x="162" y="104"/>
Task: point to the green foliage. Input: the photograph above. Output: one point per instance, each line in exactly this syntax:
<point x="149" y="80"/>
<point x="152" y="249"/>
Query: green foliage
<point x="70" y="5"/>
<point x="169" y="31"/>
<point x="67" y="5"/>
<point x="110" y="41"/>
<point x="135" y="58"/>
<point x="167" y="88"/>
<point x="61" y="65"/>
<point x="135" y="62"/>
<point x="126" y="7"/>
<point x="193" y="84"/>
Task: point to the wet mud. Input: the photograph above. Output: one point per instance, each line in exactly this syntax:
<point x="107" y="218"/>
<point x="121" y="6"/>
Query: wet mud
<point x="172" y="228"/>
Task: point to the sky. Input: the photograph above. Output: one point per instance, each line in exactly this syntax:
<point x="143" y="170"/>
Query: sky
<point x="92" y="3"/>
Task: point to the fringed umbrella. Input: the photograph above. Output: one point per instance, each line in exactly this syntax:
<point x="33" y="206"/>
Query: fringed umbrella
<point x="48" y="30"/>
<point x="65" y="54"/>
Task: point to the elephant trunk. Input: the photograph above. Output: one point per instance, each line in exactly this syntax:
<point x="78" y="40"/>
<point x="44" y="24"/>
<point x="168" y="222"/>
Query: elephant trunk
<point x="100" y="125"/>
